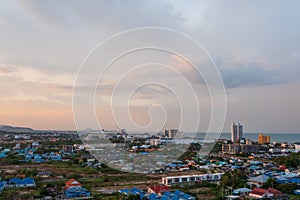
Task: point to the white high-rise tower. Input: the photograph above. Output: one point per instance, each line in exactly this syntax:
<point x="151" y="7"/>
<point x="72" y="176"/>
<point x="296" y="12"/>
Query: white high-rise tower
<point x="236" y="132"/>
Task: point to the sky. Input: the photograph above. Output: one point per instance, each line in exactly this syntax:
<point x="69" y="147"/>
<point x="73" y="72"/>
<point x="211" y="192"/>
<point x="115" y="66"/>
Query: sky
<point x="254" y="44"/>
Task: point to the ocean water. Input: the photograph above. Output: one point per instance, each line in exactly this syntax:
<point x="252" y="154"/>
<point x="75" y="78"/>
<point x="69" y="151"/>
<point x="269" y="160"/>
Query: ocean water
<point x="275" y="137"/>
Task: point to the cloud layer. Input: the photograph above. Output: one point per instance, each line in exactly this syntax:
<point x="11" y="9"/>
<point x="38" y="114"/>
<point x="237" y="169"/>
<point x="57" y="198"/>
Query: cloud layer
<point x="255" y="44"/>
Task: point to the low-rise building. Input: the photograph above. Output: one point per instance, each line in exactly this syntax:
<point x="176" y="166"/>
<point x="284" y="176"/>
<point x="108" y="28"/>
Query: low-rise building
<point x="172" y="180"/>
<point x="259" y="193"/>
<point x="239" y="148"/>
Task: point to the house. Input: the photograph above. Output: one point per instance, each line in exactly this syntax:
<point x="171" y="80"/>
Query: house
<point x="73" y="189"/>
<point x="38" y="159"/>
<point x="296" y="192"/>
<point x="134" y="191"/>
<point x="35" y="144"/>
<point x="241" y="191"/>
<point x="75" y="192"/>
<point x="52" y="190"/>
<point x="158" y="189"/>
<point x="26" y="182"/>
<point x="56" y="157"/>
<point x="12" y="182"/>
<point x="3" y="155"/>
<point x="153" y="196"/>
<point x="2" y="186"/>
<point x="21" y="183"/>
<point x="131" y="191"/>
<point x="259" y="193"/>
<point x="176" y="195"/>
<point x="72" y="183"/>
<point x="258" y="181"/>
<point x="44" y="174"/>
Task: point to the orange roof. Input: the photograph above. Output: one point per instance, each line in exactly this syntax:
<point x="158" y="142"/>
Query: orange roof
<point x="72" y="183"/>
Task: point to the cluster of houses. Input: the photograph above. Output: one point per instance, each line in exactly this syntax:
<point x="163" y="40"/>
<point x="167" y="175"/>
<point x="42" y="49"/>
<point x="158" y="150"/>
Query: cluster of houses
<point x="4" y="152"/>
<point x="257" y="193"/>
<point x="72" y="188"/>
<point x="29" y="154"/>
<point x="158" y="192"/>
<point x="17" y="183"/>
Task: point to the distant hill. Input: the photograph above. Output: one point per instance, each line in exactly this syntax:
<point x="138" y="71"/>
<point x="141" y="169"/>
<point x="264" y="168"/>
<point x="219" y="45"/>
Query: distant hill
<point x="11" y="129"/>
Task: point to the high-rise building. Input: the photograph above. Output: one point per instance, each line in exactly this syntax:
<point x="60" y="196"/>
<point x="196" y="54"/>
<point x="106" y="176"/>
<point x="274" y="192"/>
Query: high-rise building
<point x="166" y="132"/>
<point x="263" y="139"/>
<point x="171" y="133"/>
<point x="236" y="132"/>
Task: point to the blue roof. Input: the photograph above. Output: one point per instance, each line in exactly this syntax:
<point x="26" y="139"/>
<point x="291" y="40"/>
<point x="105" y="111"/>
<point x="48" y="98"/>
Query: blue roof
<point x="125" y="191"/>
<point x="153" y="196"/>
<point x="176" y="195"/>
<point x="185" y="196"/>
<point x="296" y="192"/>
<point x="294" y="180"/>
<point x="168" y="193"/>
<point x="255" y="163"/>
<point x="131" y="191"/>
<point x="241" y="190"/>
<point x="26" y="181"/>
<point x="178" y="192"/>
<point x="164" y="198"/>
<point x="172" y="165"/>
<point x="260" y="179"/>
<point x="136" y="191"/>
<point x="76" y="189"/>
<point x="77" y="192"/>
<point x="253" y="167"/>
<point x="2" y="185"/>
<point x="3" y="155"/>
<point x="14" y="180"/>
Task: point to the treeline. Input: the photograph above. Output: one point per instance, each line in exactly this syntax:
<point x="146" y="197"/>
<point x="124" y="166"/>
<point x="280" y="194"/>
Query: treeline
<point x="290" y="161"/>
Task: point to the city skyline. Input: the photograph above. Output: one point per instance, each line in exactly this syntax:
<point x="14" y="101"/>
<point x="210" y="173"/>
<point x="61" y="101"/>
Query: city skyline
<point x="255" y="45"/>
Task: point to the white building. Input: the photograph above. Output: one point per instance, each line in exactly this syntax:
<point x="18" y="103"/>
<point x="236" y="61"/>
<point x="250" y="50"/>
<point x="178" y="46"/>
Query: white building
<point x="172" y="180"/>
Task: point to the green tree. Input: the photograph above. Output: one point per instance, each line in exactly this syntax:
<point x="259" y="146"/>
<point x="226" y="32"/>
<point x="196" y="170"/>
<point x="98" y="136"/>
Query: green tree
<point x="287" y="188"/>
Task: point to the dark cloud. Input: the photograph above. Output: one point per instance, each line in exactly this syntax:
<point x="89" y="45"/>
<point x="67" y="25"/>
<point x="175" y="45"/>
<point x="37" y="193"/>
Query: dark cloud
<point x="256" y="75"/>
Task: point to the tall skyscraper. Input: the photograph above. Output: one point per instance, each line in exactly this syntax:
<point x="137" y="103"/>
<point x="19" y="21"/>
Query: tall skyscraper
<point x="236" y="132"/>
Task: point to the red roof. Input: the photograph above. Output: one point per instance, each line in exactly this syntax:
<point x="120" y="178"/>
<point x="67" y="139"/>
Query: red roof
<point x="72" y="183"/>
<point x="159" y="188"/>
<point x="282" y="167"/>
<point x="274" y="191"/>
<point x="259" y="191"/>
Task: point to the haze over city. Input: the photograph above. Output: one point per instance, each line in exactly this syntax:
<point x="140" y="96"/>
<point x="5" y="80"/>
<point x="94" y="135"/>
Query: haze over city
<point x="254" y="44"/>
